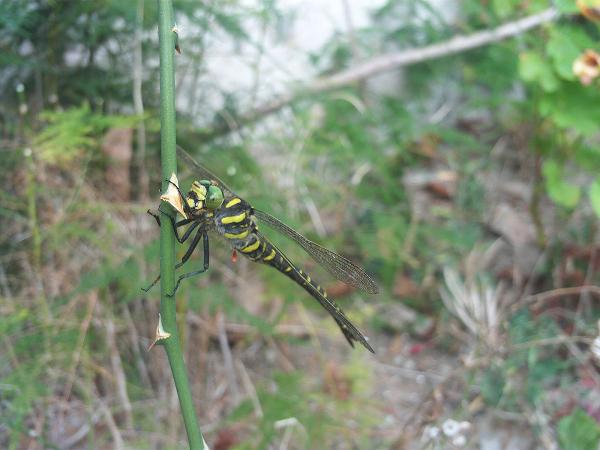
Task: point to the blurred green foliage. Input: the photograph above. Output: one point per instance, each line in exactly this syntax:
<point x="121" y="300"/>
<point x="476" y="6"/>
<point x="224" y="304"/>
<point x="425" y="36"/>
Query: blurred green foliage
<point x="578" y="431"/>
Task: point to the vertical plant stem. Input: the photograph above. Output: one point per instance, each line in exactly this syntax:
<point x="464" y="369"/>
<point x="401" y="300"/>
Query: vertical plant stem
<point x="36" y="240"/>
<point x="138" y="103"/>
<point x="167" y="238"/>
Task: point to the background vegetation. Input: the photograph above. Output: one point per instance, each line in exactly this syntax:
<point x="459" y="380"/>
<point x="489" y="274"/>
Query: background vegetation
<point x="464" y="180"/>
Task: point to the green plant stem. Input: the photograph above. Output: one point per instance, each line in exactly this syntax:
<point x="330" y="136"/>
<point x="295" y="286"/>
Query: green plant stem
<point x="167" y="237"/>
<point x="36" y="240"/>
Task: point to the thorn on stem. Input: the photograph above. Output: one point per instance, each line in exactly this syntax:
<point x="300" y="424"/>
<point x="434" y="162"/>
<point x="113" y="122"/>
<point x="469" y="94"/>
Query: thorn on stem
<point x="161" y="334"/>
<point x="175" y="30"/>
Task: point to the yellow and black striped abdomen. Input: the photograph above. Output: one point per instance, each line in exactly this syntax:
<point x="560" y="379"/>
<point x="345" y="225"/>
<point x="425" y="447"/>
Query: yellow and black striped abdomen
<point x="235" y="221"/>
<point x="268" y="254"/>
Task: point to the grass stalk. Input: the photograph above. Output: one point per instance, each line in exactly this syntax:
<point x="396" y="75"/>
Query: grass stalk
<point x="167" y="238"/>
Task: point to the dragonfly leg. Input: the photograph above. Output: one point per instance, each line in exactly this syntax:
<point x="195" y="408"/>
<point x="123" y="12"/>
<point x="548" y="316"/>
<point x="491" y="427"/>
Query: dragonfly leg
<point x="156" y="217"/>
<point x="192" y="246"/>
<point x="187" y="233"/>
<point x="204" y="235"/>
<point x="146" y="289"/>
<point x="184" y="238"/>
<point x="176" y="225"/>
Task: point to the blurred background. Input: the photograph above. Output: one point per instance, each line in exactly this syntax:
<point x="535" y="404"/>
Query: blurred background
<point x="451" y="148"/>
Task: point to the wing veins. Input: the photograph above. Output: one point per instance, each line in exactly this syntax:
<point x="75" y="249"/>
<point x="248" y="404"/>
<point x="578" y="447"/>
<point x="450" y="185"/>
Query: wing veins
<point x="201" y="170"/>
<point x="350" y="331"/>
<point x="338" y="266"/>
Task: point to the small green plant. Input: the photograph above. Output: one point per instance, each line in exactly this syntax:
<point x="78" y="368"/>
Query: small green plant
<point x="578" y="431"/>
<point x="565" y="101"/>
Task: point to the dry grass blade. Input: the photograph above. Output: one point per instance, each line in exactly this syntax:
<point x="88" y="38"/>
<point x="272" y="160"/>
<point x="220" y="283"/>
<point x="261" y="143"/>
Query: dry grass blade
<point x="476" y="303"/>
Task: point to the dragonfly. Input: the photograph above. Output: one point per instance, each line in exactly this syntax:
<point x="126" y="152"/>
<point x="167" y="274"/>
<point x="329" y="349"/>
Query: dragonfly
<point x="211" y="206"/>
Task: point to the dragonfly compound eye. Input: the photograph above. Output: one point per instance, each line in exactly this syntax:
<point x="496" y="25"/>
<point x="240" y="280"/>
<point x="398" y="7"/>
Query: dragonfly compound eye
<point x="214" y="198"/>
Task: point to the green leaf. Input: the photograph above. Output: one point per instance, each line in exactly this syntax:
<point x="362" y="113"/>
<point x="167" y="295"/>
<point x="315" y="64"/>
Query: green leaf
<point x="594" y="194"/>
<point x="578" y="431"/>
<point x="533" y="68"/>
<point x="492" y="385"/>
<point x="507" y="8"/>
<point x="566" y="6"/>
<point x="503" y="8"/>
<point x="558" y="189"/>
<point x="587" y="156"/>
<point x="573" y="106"/>
<point x="565" y="45"/>
<point x="231" y="24"/>
<point x="70" y="132"/>
<point x="551" y="170"/>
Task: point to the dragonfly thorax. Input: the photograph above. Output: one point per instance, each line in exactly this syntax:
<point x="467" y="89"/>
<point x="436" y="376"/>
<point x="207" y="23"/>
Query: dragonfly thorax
<point x="204" y="194"/>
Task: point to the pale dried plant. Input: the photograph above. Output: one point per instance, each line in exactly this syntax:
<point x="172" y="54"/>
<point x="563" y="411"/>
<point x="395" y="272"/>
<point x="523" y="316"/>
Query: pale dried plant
<point x="475" y="301"/>
<point x="595" y="348"/>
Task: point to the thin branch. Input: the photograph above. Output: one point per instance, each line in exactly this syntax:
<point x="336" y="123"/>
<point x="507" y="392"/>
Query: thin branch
<point x="228" y="359"/>
<point x="83" y="330"/>
<point x="387" y="62"/>
<point x="118" y="371"/>
<point x="134" y="338"/>
<point x="167" y="318"/>
<point x="138" y="102"/>
<point x="118" y="443"/>
<point x="538" y="299"/>
<point x="455" y="45"/>
<point x="556" y="340"/>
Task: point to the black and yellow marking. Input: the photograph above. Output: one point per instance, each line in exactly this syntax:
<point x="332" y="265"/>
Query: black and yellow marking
<point x="232" y="202"/>
<point x="274" y="258"/>
<point x="270" y="256"/>
<point x="212" y="206"/>
<point x="233" y="219"/>
<point x="235" y="222"/>
<point x="251" y="247"/>
<point x="242" y="235"/>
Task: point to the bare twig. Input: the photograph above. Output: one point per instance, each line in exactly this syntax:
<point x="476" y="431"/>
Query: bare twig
<point x="584" y="303"/>
<point x="387" y="62"/>
<point x="117" y="370"/>
<point x="250" y="389"/>
<point x="138" y="103"/>
<point x="82" y="432"/>
<point x="6" y="291"/>
<point x="118" y="443"/>
<point x="134" y="337"/>
<point x="564" y="339"/>
<point x="93" y="298"/>
<point x="538" y="299"/>
<point x="228" y="359"/>
<point x="457" y="44"/>
<point x="297" y="331"/>
<point x="583" y="359"/>
<point x="350" y="29"/>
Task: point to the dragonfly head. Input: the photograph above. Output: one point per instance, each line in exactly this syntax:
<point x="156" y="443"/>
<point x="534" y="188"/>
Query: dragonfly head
<point x="204" y="194"/>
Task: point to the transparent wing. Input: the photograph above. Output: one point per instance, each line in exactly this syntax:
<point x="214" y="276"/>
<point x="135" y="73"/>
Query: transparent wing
<point x="202" y="171"/>
<point x="338" y="266"/>
<point x="348" y="329"/>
